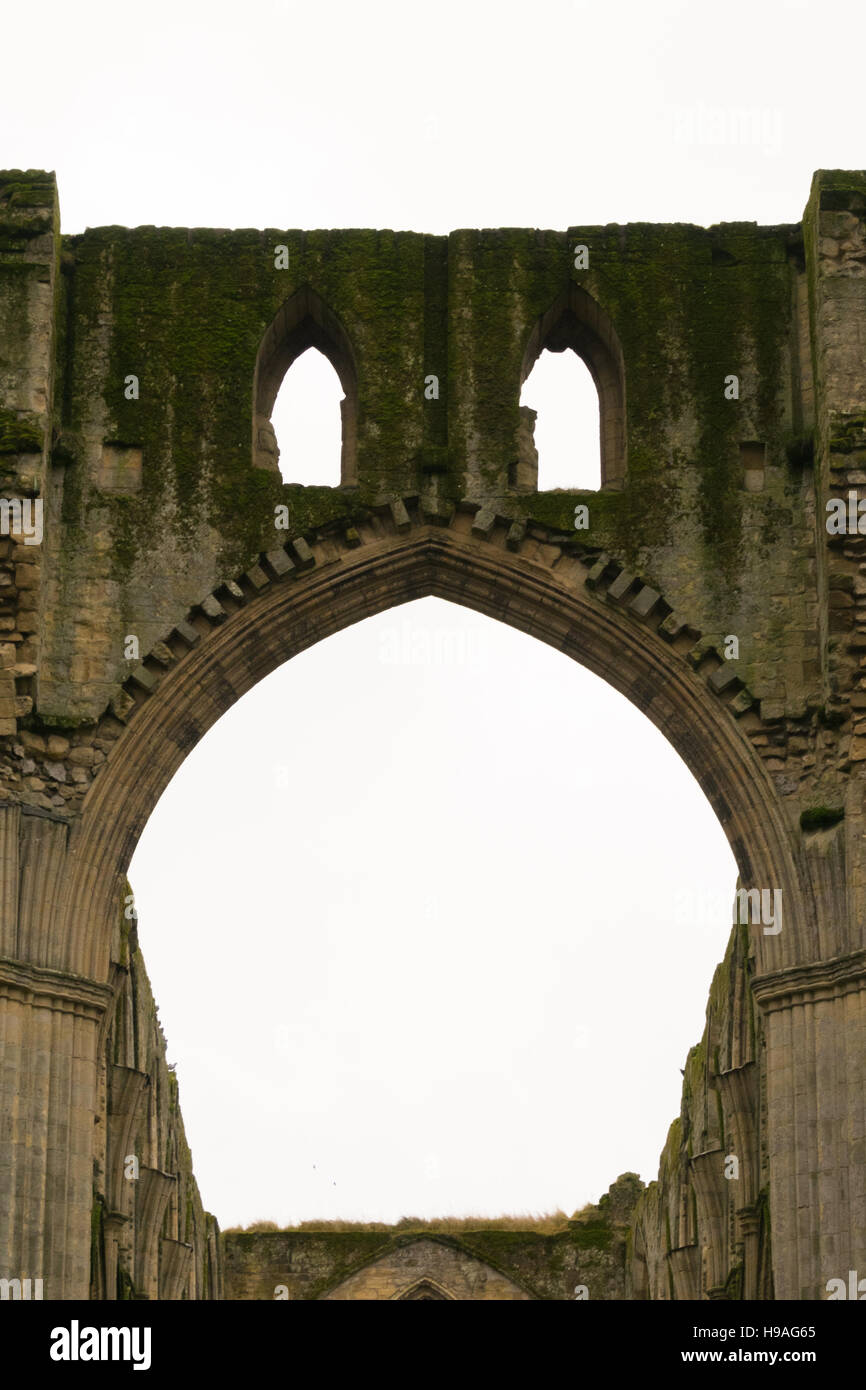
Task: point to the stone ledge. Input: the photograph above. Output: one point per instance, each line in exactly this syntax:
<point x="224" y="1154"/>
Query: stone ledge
<point x="820" y="980"/>
<point x="31" y="983"/>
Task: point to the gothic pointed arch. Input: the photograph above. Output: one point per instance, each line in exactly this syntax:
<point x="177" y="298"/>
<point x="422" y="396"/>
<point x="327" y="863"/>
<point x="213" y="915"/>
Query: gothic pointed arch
<point x="302" y="322"/>
<point x="425" y="1291"/>
<point x="575" y="320"/>
<point x="587" y="605"/>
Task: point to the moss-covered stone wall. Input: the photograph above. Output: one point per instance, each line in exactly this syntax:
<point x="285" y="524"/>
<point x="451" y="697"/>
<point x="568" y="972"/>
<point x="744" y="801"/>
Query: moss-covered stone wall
<point x="152" y="493"/>
<point x="152" y="1237"/>
<point x="729" y="365"/>
<point x="702" y="1230"/>
<point x="587" y="1260"/>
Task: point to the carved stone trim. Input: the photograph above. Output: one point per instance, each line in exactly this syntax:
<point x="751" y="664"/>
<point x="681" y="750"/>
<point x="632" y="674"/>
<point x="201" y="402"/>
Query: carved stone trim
<point x="806" y="984"/>
<point x="54" y="989"/>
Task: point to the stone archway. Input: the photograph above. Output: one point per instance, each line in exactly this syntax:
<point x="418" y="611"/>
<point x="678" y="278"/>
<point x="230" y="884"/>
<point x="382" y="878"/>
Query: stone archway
<point x="551" y="587"/>
<point x="568" y="597"/>
<point x="717" y="526"/>
<point x="428" y="1269"/>
<point x="578" y="322"/>
<point x="302" y="322"/>
<point x="425" y="1291"/>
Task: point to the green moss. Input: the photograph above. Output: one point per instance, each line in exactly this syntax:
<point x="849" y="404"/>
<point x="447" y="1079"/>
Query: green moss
<point x="821" y="817"/>
<point x="533" y="1260"/>
<point x="591" y="1235"/>
<point x="27" y="188"/>
<point x="188" y="311"/>
<point x="840" y="190"/>
<point x="27" y="201"/>
<point x="19" y="435"/>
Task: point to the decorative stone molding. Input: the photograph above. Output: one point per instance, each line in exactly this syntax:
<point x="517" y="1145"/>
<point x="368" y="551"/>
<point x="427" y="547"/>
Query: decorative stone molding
<point x="54" y="989"/>
<point x="811" y="984"/>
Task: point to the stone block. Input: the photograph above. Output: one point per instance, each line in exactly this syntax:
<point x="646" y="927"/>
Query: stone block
<point x="279" y="562"/>
<point x="644" y="601"/>
<point x="303" y="553"/>
<point x="484" y="522"/>
<point x="621" y="587"/>
<point x="122" y="706"/>
<point x="257" y="577"/>
<point x="723" y="678"/>
<point x="144" y="679"/>
<point x="187" y="633"/>
<point x="436" y="511"/>
<point x="213" y="609"/>
<point x="674" y="626"/>
<point x="597" y="570"/>
<point x="119" y="469"/>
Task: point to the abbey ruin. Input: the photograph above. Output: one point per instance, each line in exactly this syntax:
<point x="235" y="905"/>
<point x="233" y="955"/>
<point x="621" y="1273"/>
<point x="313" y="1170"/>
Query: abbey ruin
<point x="141" y="498"/>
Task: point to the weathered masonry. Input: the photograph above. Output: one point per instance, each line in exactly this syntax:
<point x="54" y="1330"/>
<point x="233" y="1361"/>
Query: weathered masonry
<point x="588" y="1258"/>
<point x="138" y="369"/>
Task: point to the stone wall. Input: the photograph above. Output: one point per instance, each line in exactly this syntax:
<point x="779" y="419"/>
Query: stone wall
<point x="586" y="1260"/>
<point x="158" y="497"/>
<point x="137" y="371"/>
<point x="151" y="1237"/>
<point x="702" y="1230"/>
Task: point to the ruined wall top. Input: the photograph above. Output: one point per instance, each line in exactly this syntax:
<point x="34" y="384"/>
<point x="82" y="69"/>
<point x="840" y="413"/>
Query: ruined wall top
<point x="138" y="368"/>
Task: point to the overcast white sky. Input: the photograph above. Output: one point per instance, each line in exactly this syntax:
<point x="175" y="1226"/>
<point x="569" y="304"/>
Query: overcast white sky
<point x="431" y="915"/>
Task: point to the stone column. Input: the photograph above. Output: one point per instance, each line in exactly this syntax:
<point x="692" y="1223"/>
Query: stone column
<point x="175" y="1264"/>
<point x="738" y="1086"/>
<point x="748" y="1232"/>
<point x="116" y="1228"/>
<point x="685" y="1266"/>
<point x="153" y="1191"/>
<point x="50" y="1023"/>
<point x="816" y="1111"/>
<point x="712" y="1200"/>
